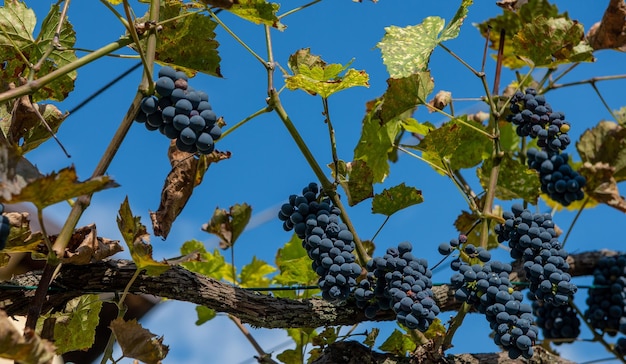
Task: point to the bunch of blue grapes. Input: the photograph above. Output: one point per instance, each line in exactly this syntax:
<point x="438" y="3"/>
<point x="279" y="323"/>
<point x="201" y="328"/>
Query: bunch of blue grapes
<point x="533" y="240"/>
<point x="485" y="285"/>
<point x="558" y="180"/>
<point x="620" y="346"/>
<point x="327" y="240"/>
<point x="534" y="117"/>
<point x="402" y="282"/>
<point x="180" y="112"/>
<point x="559" y="323"/>
<point x="607" y="299"/>
<point x="5" y="228"/>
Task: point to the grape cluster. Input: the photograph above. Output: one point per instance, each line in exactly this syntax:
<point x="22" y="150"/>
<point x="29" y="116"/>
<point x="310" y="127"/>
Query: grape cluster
<point x="486" y="286"/>
<point x="180" y="112"/>
<point x="327" y="240"/>
<point x="400" y="281"/>
<point x="558" y="322"/>
<point x="607" y="299"/>
<point x="534" y="117"/>
<point x="5" y="228"/>
<point x="620" y="346"/>
<point x="533" y="239"/>
<point x="558" y="179"/>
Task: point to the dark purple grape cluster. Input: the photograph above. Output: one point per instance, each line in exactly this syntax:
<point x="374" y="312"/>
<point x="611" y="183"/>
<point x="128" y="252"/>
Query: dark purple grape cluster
<point x="558" y="180"/>
<point x="533" y="239"/>
<point x="620" y="346"/>
<point x="534" y="117"/>
<point x="326" y="239"/>
<point x="486" y="286"/>
<point x="559" y="323"/>
<point x="180" y="112"/>
<point x="400" y="281"/>
<point x="5" y="228"/>
<point x="607" y="299"/>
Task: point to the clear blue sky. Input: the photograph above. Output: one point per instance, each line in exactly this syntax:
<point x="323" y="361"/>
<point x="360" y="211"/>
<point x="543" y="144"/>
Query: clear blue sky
<point x="266" y="166"/>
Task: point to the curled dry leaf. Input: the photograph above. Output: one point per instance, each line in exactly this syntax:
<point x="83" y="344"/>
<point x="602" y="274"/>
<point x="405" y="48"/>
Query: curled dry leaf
<point x="85" y="246"/>
<point x="610" y="33"/>
<point x="441" y="100"/>
<point x="601" y="184"/>
<point x="187" y="172"/>
<point x="26" y="349"/>
<point x="137" y="342"/>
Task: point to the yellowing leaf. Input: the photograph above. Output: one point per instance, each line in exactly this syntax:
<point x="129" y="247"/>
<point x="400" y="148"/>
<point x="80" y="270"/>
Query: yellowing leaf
<point x="57" y="187"/>
<point x="398" y="343"/>
<point x="138" y="241"/>
<point x="295" y="267"/>
<point x="212" y="265"/>
<point x="81" y="315"/>
<point x="258" y="12"/>
<point x="114" y="2"/>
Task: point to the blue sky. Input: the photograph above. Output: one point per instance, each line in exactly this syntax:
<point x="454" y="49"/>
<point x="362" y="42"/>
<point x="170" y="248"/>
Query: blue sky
<point x="266" y="166"/>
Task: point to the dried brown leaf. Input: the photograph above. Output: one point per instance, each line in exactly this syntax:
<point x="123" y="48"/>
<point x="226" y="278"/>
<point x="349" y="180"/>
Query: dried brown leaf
<point x="601" y="184"/>
<point x="137" y="342"/>
<point x="26" y="349"/>
<point x="85" y="246"/>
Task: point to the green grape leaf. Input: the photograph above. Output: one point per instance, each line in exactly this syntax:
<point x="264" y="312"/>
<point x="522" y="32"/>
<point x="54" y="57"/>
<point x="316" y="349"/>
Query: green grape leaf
<point x="57" y="187"/>
<point x="548" y="42"/>
<point x="407" y="50"/>
<point x="81" y="314"/>
<point x="258" y="12"/>
<point x="212" y="265"/>
<point x="315" y="76"/>
<point x="254" y="274"/>
<point x="509" y="140"/>
<point x="326" y="337"/>
<point x="294" y="266"/>
<point x="463" y="146"/>
<point x="512" y="22"/>
<point x="19" y="23"/>
<point x="137" y="342"/>
<point x="370" y="338"/>
<point x="466" y="220"/>
<point x="356" y="178"/>
<point x="515" y="180"/>
<point x="301" y="337"/>
<point x="453" y="28"/>
<point x="176" y="36"/>
<point x="138" y="241"/>
<point x="228" y="225"/>
<point x="435" y="330"/>
<point x="395" y="199"/>
<point x="404" y="94"/>
<point x="605" y="143"/>
<point x="376" y="142"/>
<point x="398" y="344"/>
<point x="26" y="348"/>
<point x="204" y="314"/>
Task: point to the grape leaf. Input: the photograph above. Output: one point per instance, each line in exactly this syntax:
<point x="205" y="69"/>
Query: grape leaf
<point x="27" y="348"/>
<point x="315" y="76"/>
<point x="398" y="343"/>
<point x="114" y="2"/>
<point x="204" y="314"/>
<point x="620" y="116"/>
<point x="228" y="225"/>
<point x="16" y="172"/>
<point x="254" y="274"/>
<point x="301" y="337"/>
<point x="512" y="23"/>
<point x="258" y="12"/>
<point x="138" y="241"/>
<point x="356" y="178"/>
<point x="81" y="314"/>
<point x="602" y="185"/>
<point x="413" y="126"/>
<point x="212" y="265"/>
<point x="453" y="28"/>
<point x="548" y="42"/>
<point x="404" y="94"/>
<point x="57" y="187"/>
<point x="436" y="330"/>
<point x="370" y="337"/>
<point x="176" y="36"/>
<point x="407" y="50"/>
<point x="395" y="199"/>
<point x="376" y="142"/>
<point x="137" y="342"/>
<point x="515" y="180"/>
<point x="605" y="143"/>
<point x="462" y="145"/>
<point x="295" y="267"/>
<point x="466" y="220"/>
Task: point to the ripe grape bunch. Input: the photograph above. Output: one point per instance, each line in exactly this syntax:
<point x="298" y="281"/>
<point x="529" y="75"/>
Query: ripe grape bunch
<point x="5" y="228"/>
<point x="485" y="285"/>
<point x="533" y="239"/>
<point x="607" y="299"/>
<point x="534" y="117"/>
<point x="558" y="323"/>
<point x="558" y="179"/>
<point x="400" y="281"/>
<point x="180" y="112"/>
<point x="326" y="239"/>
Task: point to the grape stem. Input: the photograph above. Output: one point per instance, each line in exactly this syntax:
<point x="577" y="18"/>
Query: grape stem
<point x="454" y="325"/>
<point x="578" y="213"/>
<point x="232" y="34"/>
<point x="298" y="9"/>
<point x="333" y="142"/>
<point x="263" y="357"/>
<point x="55" y="40"/>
